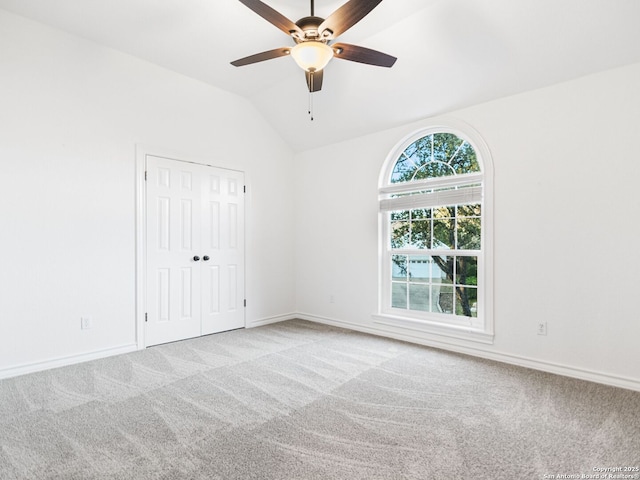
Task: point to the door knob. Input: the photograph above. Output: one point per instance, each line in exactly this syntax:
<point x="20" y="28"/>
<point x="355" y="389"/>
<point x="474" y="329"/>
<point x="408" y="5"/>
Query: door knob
<point x="196" y="258"/>
<point x="205" y="258"/>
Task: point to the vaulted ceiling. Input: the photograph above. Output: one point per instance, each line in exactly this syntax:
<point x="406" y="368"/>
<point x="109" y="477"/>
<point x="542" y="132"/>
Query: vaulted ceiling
<point x="451" y="53"/>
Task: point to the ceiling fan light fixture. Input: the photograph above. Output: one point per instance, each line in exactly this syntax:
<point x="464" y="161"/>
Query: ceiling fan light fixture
<point x="312" y="56"/>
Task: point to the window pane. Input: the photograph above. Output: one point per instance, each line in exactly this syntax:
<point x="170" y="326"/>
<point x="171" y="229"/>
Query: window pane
<point x="444" y="212"/>
<point x="420" y="213"/>
<point x="399" y="234"/>
<point x="421" y="233"/>
<point x="445" y="146"/>
<point x="419" y="268"/>
<point x="469" y="210"/>
<point x="467" y="301"/>
<point x="469" y="233"/>
<point x="443" y="296"/>
<point x="401" y="215"/>
<point x="419" y="297"/>
<point x="420" y="150"/>
<point x="442" y="270"/>
<point x="467" y="271"/>
<point x="399" y="295"/>
<point x="399" y="267"/>
<point x="465" y="160"/>
<point x="444" y="233"/>
<point x="403" y="170"/>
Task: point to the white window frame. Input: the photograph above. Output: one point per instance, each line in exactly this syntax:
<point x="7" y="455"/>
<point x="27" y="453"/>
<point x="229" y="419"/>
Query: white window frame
<point x="480" y="328"/>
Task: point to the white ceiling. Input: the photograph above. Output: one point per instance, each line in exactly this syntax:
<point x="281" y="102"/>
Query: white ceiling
<point x="451" y="53"/>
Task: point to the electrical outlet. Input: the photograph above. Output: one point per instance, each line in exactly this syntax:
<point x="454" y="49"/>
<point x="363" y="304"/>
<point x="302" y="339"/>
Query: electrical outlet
<point x="86" y="323"/>
<point x="542" y="328"/>
<point x="332" y="298"/>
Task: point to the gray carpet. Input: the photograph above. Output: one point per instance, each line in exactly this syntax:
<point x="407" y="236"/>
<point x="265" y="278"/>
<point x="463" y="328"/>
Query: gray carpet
<point x="297" y="400"/>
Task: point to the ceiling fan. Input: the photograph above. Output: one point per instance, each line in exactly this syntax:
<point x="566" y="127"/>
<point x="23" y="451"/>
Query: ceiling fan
<point x="313" y="36"/>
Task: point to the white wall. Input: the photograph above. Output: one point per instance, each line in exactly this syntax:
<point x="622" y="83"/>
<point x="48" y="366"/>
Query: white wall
<point x="71" y="115"/>
<point x="567" y="171"/>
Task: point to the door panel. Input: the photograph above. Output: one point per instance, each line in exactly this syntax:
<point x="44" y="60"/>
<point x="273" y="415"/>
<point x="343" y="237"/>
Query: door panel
<point x="213" y="299"/>
<point x="193" y="211"/>
<point x="163" y="301"/>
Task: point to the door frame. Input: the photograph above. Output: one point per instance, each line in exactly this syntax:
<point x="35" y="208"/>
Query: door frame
<point x="141" y="232"/>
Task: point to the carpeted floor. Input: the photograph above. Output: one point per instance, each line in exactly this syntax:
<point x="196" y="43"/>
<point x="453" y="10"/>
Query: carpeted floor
<point x="297" y="400"/>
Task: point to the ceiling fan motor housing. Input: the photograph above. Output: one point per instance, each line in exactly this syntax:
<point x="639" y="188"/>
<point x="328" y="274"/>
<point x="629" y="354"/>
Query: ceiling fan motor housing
<point x="309" y="25"/>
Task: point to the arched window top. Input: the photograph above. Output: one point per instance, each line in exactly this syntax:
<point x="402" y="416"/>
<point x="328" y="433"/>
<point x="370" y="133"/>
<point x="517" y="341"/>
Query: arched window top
<point x="435" y="155"/>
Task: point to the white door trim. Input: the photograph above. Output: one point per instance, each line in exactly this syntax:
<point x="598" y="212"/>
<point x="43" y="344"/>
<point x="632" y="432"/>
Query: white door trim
<point x="140" y="227"/>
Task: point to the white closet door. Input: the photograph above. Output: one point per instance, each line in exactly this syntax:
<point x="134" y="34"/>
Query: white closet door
<point x="195" y="250"/>
<point x="223" y="244"/>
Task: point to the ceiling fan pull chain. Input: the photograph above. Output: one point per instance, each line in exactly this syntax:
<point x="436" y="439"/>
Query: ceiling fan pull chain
<point x="311" y="95"/>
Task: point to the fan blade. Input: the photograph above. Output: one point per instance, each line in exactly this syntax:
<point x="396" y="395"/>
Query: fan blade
<point x="274" y="17"/>
<point x="358" y="54"/>
<point x="315" y="83"/>
<point x="261" y="57"/>
<point x="346" y="17"/>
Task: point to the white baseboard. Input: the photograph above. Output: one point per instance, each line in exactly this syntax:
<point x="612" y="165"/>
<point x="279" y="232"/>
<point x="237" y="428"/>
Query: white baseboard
<point x="27" y="368"/>
<point x="64" y="361"/>
<point x="269" y="320"/>
<point x="550" y="367"/>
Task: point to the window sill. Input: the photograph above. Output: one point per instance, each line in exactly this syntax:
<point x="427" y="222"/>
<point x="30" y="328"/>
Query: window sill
<point x="425" y="326"/>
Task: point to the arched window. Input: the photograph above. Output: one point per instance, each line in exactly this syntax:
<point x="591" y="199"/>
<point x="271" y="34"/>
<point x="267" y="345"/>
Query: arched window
<point x="435" y="217"/>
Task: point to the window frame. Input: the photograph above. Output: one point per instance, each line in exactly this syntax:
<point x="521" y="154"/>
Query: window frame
<point x="480" y="328"/>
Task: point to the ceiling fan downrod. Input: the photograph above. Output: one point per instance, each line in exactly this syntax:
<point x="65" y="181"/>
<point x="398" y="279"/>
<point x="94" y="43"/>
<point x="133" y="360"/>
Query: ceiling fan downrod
<point x="312" y="9"/>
